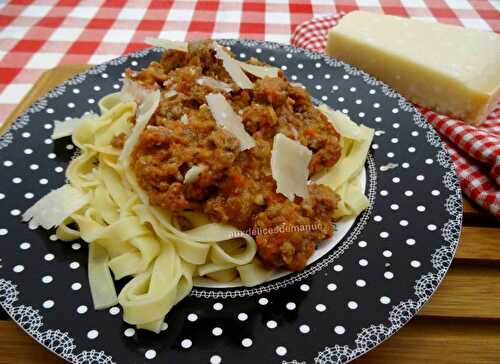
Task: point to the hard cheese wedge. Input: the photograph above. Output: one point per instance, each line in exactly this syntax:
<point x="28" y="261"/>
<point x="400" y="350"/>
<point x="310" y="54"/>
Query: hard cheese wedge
<point x="449" y="69"/>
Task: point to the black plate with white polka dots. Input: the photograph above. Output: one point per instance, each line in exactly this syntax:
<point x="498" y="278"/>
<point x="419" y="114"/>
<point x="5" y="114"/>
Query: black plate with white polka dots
<point x="357" y="294"/>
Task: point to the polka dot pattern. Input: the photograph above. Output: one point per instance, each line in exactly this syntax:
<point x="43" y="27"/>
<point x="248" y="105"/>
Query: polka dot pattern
<point x="272" y="324"/>
<point x="246" y="342"/>
<point x="129" y="332"/>
<point x="415" y="264"/>
<point x="150" y="354"/>
<point x="304" y="329"/>
<point x="304" y="287"/>
<point x="281" y="350"/>
<point x="320" y="307"/>
<point x="360" y="283"/>
<point x="48" y="304"/>
<point x="215" y="359"/>
<point x="92" y="334"/>
<point x="339" y="330"/>
<point x="218" y="306"/>
<point x="385" y="300"/>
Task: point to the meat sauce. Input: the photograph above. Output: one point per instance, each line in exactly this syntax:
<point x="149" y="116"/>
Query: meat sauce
<point x="236" y="187"/>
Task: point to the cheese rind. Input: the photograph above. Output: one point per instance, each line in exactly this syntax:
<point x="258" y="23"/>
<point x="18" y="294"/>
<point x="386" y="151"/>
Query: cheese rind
<point x="449" y="69"/>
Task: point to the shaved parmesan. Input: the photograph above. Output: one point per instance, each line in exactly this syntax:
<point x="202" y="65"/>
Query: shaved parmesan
<point x="213" y="83"/>
<point x="169" y="94"/>
<point x="167" y="44"/>
<point x="259" y="71"/>
<point x="232" y="67"/>
<point x="194" y="173"/>
<point x="65" y="128"/>
<point x="225" y="116"/>
<point x="146" y="109"/>
<point x="52" y="209"/>
<point x="184" y="119"/>
<point x="133" y="91"/>
<point x="341" y="122"/>
<point x="298" y="84"/>
<point x="290" y="166"/>
<point x="388" y="166"/>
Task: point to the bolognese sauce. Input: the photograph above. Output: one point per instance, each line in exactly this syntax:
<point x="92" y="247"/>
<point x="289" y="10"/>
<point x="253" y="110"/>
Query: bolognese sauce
<point x="234" y="187"/>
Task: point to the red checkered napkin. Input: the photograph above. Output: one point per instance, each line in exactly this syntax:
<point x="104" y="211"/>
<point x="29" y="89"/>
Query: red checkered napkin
<point x="474" y="150"/>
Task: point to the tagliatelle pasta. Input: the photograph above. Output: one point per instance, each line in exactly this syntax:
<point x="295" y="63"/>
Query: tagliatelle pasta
<point x="130" y="238"/>
<point x="343" y="177"/>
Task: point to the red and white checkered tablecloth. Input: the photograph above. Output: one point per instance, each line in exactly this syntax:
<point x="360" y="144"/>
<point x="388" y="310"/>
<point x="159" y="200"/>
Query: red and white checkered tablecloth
<point x="39" y="35"/>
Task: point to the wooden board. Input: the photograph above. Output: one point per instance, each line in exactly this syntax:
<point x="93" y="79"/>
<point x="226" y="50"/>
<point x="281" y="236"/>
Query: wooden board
<point x="479" y="243"/>
<point x="469" y="290"/>
<point x="422" y="341"/>
<point x="460" y="324"/>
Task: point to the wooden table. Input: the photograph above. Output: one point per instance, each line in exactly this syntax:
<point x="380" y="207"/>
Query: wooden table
<point x="460" y="324"/>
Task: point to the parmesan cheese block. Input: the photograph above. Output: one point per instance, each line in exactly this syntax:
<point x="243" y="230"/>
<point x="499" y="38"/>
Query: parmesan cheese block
<point x="449" y="69"/>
